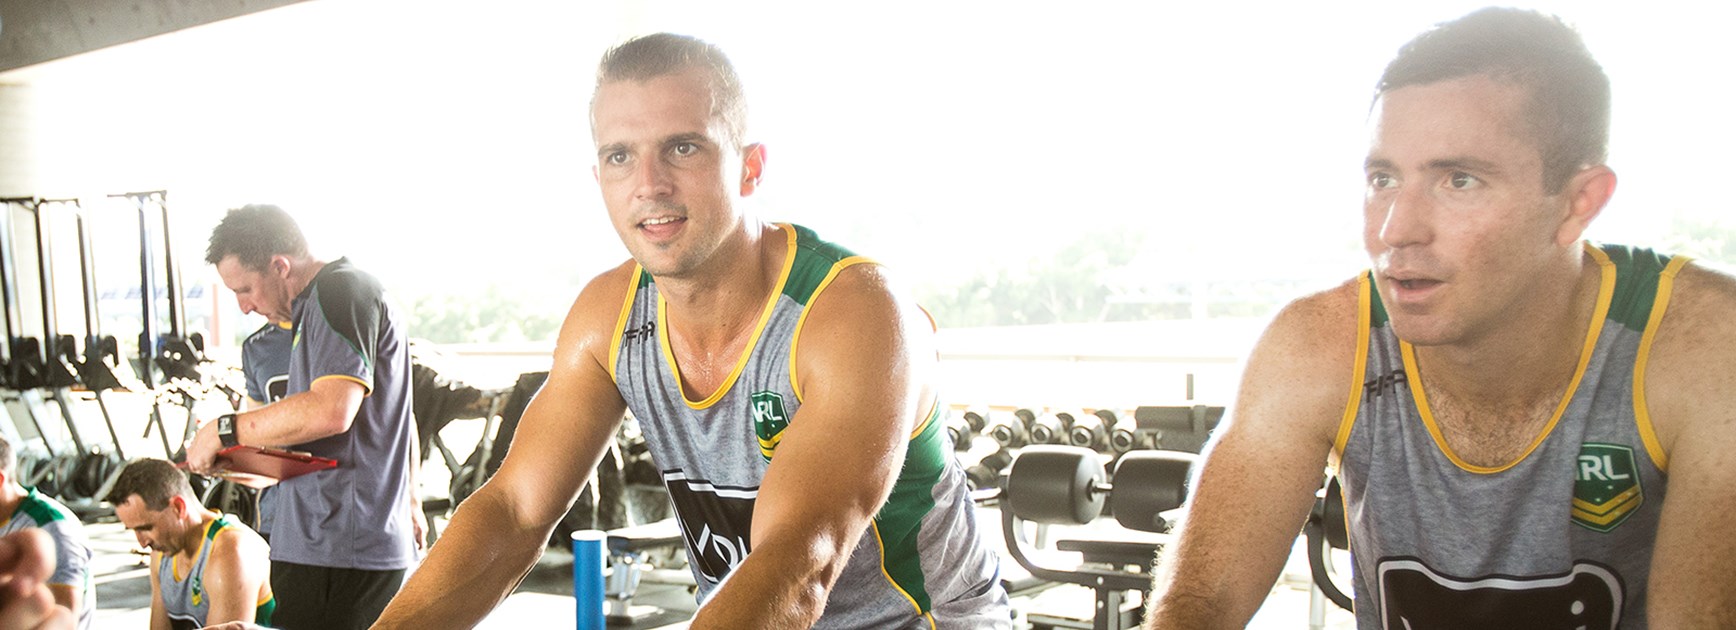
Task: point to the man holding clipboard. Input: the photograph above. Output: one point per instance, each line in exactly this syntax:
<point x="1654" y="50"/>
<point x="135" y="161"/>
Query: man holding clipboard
<point x="342" y="539"/>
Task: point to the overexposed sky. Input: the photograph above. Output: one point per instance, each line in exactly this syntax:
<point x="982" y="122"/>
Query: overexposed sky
<point x="444" y="143"/>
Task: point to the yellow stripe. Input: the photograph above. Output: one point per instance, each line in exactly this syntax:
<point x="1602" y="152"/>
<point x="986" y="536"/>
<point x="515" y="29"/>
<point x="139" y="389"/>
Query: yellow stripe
<point x="881" y="545"/>
<point x="932" y="417"/>
<point x="366" y="389"/>
<point x="796" y="337"/>
<point x="747" y="352"/>
<point x="1606" y="288"/>
<point x="1614" y="502"/>
<point x="621" y="320"/>
<point x="1605" y="519"/>
<point x="1359" y="369"/>
<point x="1642" y="416"/>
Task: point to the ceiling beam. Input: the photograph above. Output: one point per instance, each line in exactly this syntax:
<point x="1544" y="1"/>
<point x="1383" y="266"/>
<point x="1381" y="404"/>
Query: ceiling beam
<point x="33" y="32"/>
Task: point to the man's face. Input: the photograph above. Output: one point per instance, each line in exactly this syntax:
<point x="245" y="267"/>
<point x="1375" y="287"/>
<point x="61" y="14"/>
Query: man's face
<point x="264" y="292"/>
<point x="668" y="171"/>
<point x="157" y="530"/>
<point x="1456" y="216"/>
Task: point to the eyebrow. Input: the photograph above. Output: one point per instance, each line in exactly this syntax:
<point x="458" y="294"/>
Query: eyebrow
<point x="1444" y="164"/>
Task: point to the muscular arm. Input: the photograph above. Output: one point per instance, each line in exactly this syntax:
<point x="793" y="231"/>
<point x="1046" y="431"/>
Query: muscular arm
<point x="500" y="530"/>
<point x="234" y="574"/>
<point x="1255" y="487"/>
<point x="326" y="409"/>
<point x="862" y="361"/>
<point x="1691" y="395"/>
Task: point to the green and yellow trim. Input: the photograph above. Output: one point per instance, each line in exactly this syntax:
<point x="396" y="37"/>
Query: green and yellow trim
<point x="367" y="389"/>
<point x="1605" y="289"/>
<point x="1642" y="416"/>
<point x="1359" y="367"/>
<point x="801" y="320"/>
<point x="633" y="284"/>
<point x="747" y="352"/>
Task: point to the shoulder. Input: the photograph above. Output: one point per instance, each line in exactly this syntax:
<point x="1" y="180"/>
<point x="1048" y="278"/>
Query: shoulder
<point x="590" y="323"/>
<point x="1301" y="369"/>
<point x="341" y="280"/>
<point x="240" y="542"/>
<point x="1689" y="375"/>
<point x="1319" y="327"/>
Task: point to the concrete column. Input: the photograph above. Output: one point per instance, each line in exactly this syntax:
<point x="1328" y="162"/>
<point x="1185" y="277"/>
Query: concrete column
<point x="18" y="169"/>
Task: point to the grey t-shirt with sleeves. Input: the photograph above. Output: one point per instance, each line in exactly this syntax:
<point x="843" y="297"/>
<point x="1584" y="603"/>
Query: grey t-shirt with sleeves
<point x="354" y="516"/>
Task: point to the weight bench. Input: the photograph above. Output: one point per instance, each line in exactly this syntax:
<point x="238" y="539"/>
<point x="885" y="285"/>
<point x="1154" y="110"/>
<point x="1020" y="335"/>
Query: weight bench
<point x="629" y="557"/>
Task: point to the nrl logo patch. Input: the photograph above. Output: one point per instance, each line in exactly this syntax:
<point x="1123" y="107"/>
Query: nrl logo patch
<point x="769" y="421"/>
<point x="1606" y="488"/>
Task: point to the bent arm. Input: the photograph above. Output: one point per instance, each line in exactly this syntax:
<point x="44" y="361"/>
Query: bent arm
<point x="1691" y="393"/>
<point x="235" y="575"/>
<point x="499" y="532"/>
<point x="1253" y="492"/>
<point x="328" y="408"/>
<point x="863" y="360"/>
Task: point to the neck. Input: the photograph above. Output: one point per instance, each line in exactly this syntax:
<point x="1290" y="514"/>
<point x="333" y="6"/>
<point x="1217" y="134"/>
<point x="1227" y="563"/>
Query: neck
<point x="11" y="494"/>
<point x="1533" y="357"/>
<point x="196" y="522"/>
<point x="302" y="274"/>
<point x="714" y="309"/>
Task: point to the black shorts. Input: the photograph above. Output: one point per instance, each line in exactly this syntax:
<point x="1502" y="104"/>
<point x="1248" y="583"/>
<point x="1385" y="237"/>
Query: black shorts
<point x="322" y="598"/>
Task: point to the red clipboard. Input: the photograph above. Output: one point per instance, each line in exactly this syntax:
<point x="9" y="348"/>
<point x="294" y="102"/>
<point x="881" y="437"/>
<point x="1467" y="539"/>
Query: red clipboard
<point x="258" y="466"/>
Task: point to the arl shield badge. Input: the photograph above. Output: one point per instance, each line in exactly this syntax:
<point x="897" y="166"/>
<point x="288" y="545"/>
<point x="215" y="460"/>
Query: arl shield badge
<point x="769" y="421"/>
<point x="1606" y="489"/>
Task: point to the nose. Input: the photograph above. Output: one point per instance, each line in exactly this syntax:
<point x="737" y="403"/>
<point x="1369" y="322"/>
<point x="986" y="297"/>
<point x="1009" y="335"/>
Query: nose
<point x="651" y="180"/>
<point x="143" y="542"/>
<point x="1404" y="215"/>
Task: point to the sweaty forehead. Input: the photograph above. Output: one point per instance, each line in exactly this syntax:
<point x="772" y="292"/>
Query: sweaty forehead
<point x="1470" y="117"/>
<point x="652" y="109"/>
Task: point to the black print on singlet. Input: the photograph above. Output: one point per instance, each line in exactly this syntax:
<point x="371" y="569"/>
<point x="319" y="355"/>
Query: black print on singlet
<point x="643" y="332"/>
<point x="715" y="521"/>
<point x="1416" y="597"/>
<point x="1383" y="384"/>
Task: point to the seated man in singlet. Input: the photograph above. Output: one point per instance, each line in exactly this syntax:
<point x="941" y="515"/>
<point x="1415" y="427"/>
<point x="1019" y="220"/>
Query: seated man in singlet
<point x="811" y="479"/>
<point x="206" y="568"/>
<point x="1532" y="431"/>
<point x="24" y="508"/>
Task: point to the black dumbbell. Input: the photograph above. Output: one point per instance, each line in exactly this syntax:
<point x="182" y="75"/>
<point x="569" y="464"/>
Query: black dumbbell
<point x="1065" y="485"/>
<point x="1051" y="428"/>
<point x="987" y="473"/>
<point x="1012" y="430"/>
<point x="963" y="428"/>
<point x="1092" y="431"/>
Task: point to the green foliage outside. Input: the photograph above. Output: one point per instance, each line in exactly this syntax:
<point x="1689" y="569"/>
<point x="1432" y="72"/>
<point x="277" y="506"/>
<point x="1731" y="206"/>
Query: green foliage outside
<point x="490" y="315"/>
<point x="1092" y="280"/>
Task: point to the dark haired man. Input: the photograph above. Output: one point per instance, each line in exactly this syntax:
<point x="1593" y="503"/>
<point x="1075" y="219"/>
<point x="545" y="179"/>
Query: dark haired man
<point x="810" y="479"/>
<point x="1500" y="400"/>
<point x="206" y="568"/>
<point x="342" y="538"/>
<point x="23" y="508"/>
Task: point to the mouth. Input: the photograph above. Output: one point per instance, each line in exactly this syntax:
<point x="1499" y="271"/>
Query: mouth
<point x="660" y="221"/>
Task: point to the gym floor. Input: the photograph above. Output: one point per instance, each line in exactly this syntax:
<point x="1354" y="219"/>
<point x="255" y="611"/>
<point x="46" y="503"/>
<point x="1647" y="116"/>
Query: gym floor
<point x="544" y="600"/>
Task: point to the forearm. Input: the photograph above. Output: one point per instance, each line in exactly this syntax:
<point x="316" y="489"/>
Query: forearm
<point x="475" y="566"/>
<point x="776" y="587"/>
<point x="297" y="419"/>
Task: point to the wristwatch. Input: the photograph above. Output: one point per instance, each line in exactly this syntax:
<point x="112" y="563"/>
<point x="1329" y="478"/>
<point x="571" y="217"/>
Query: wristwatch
<point x="226" y="430"/>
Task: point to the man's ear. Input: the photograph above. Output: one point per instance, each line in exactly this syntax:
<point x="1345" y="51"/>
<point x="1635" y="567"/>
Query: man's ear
<point x="753" y="165"/>
<point x="280" y="266"/>
<point x="1587" y="192"/>
<point x="178" y="503"/>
